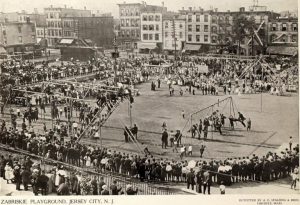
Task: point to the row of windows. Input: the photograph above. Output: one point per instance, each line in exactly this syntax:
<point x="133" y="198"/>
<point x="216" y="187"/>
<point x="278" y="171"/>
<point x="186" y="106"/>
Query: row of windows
<point x="55" y="24"/>
<point x="190" y="18"/>
<point x="147" y="36"/>
<point x="150" y="27"/>
<point x="130" y="22"/>
<point x="54" y="32"/>
<point x="53" y="15"/>
<point x="151" y="18"/>
<point x="132" y="33"/>
<point x="41" y="32"/>
<point x="284" y="27"/>
<point x="167" y="25"/>
<point x="190" y="38"/>
<point x="284" y="38"/>
<point x="190" y="28"/>
<point x="130" y="12"/>
<point x="171" y="34"/>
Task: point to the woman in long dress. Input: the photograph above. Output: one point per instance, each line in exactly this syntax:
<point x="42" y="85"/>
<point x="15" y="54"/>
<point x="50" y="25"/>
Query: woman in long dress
<point x="9" y="175"/>
<point x="87" y="159"/>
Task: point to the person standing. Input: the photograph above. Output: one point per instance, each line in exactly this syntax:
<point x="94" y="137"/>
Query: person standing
<point x="206" y="182"/>
<point x="190" y="179"/>
<point x="291" y="143"/>
<point x="248" y="124"/>
<point x="202" y="148"/>
<point x="164" y="139"/>
<point x="295" y="177"/>
<point x="183" y="114"/>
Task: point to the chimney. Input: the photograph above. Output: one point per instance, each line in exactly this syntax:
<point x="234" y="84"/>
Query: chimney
<point x="182" y="8"/>
<point x="216" y="9"/>
<point x="163" y="4"/>
<point x="93" y="15"/>
<point x="85" y="8"/>
<point x="23" y="12"/>
<point x="51" y="6"/>
<point x="97" y="11"/>
<point x="242" y="9"/>
<point x="65" y="6"/>
<point x="190" y="8"/>
<point x="228" y="11"/>
<point x="36" y="11"/>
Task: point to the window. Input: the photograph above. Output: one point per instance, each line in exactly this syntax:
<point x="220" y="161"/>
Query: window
<point x="122" y="12"/>
<point x="214" y="29"/>
<point x="198" y="38"/>
<point x="197" y="28"/>
<point x="205" y="38"/>
<point x="56" y="33"/>
<point x="150" y="18"/>
<point x="214" y="39"/>
<point x="138" y="33"/>
<point x="214" y="19"/>
<point x="33" y="37"/>
<point x="157" y="18"/>
<point x="59" y="33"/>
<point x="20" y="39"/>
<point x="190" y="28"/>
<point x="133" y="33"/>
<point x="205" y="18"/>
<point x="145" y="36"/>
<point x="166" y="34"/>
<point x="151" y="27"/>
<point x="166" y="25"/>
<point x="145" y="18"/>
<point x="123" y="34"/>
<point x="157" y="27"/>
<point x="122" y="22"/>
<point x="180" y="26"/>
<point x="227" y="19"/>
<point x="189" y="37"/>
<point x="274" y="27"/>
<point x="127" y="22"/>
<point x="145" y="27"/>
<point x="20" y="29"/>
<point x="284" y="27"/>
<point x="284" y="38"/>
<point x="180" y="35"/>
<point x="294" y="38"/>
<point x="33" y="28"/>
<point x="4" y="32"/>
<point x="197" y="18"/>
<point x="157" y="37"/>
<point x="205" y="28"/>
<point x="295" y="27"/>
<point x="132" y="22"/>
<point x="150" y="36"/>
<point x="128" y="34"/>
<point x="189" y="18"/>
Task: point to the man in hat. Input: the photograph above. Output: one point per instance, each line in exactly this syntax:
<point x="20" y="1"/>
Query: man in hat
<point x="104" y="190"/>
<point x="164" y="139"/>
<point x="26" y="175"/>
<point x="114" y="188"/>
<point x="18" y="177"/>
<point x="190" y="179"/>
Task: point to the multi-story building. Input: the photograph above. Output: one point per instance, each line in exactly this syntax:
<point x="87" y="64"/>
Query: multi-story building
<point x="198" y="28"/>
<point x="283" y="32"/>
<point x="17" y="37"/>
<point x="151" y="27"/>
<point x="94" y="31"/>
<point x="130" y="24"/>
<point x="54" y="17"/>
<point x="173" y="32"/>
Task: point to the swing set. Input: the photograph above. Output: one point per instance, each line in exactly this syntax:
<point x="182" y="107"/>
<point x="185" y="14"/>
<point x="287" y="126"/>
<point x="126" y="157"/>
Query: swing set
<point x="225" y="108"/>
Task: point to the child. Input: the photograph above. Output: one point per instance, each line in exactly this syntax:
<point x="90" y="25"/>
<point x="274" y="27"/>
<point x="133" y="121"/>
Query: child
<point x="183" y="114"/>
<point x="248" y="124"/>
<point x="222" y="188"/>
<point x="190" y="150"/>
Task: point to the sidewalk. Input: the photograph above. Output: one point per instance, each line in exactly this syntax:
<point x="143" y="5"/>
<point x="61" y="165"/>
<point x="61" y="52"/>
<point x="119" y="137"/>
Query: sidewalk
<point x="10" y="190"/>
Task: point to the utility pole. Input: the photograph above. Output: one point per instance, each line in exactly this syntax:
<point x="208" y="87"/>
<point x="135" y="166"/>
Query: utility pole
<point x="115" y="55"/>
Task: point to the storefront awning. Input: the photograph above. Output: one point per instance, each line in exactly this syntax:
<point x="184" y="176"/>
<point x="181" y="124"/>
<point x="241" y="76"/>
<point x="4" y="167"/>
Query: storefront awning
<point x="66" y="41"/>
<point x="192" y="47"/>
<point x="283" y="50"/>
<point x="143" y="45"/>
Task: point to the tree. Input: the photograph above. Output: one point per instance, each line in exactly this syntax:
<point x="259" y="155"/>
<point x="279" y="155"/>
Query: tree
<point x="242" y="27"/>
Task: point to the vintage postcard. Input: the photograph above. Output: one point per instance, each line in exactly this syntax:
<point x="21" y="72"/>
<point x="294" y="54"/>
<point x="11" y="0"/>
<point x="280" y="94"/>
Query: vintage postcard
<point x="197" y="99"/>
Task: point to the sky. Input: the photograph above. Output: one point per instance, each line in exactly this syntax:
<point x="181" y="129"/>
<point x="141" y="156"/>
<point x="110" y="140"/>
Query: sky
<point x="105" y="6"/>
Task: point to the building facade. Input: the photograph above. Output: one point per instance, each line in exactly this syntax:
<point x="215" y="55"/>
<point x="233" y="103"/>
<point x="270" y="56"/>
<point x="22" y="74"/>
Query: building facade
<point x="130" y="24"/>
<point x="17" y="37"/>
<point x="54" y="17"/>
<point x="283" y="31"/>
<point x="198" y="26"/>
<point x="94" y="31"/>
<point x="173" y="32"/>
<point x="152" y="28"/>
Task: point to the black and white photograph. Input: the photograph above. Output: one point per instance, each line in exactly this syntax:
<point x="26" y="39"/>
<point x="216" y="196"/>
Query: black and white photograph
<point x="153" y="97"/>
